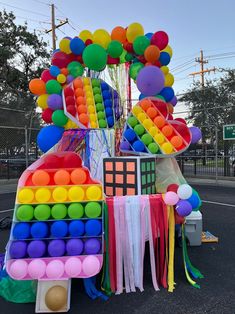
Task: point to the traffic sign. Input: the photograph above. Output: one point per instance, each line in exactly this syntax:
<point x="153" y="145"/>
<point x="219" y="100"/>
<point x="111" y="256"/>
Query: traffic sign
<point x="229" y="132"/>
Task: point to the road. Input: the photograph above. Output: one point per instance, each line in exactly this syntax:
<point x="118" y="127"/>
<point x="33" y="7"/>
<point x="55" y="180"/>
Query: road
<point x="216" y="262"/>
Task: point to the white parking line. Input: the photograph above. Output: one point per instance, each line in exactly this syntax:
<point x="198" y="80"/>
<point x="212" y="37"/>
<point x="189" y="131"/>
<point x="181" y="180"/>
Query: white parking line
<point x="217" y="203"/>
<point x="6" y="211"/>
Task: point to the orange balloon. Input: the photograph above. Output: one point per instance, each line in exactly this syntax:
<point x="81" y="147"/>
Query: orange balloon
<point x="152" y="53"/>
<point x="148" y="64"/>
<point x="83" y="118"/>
<point x="82" y="109"/>
<point x="119" y="33"/>
<point x="78" y="176"/>
<point x="40" y="177"/>
<point x="167" y="130"/>
<point x="77" y="83"/>
<point x="152" y="112"/>
<point x="80" y="100"/>
<point x="145" y="104"/>
<point x="37" y="87"/>
<point x="176" y="141"/>
<point x="170" y="107"/>
<point x="159" y="121"/>
<point x="64" y="71"/>
<point x="62" y="177"/>
<point x="79" y="92"/>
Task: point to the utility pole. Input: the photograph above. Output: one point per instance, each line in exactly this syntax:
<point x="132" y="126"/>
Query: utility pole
<point x="54" y="26"/>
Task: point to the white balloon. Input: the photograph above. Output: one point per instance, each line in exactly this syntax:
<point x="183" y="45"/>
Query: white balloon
<point x="184" y="191"/>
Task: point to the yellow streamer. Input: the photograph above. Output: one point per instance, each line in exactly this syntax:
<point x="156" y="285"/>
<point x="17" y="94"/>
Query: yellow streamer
<point x="171" y="249"/>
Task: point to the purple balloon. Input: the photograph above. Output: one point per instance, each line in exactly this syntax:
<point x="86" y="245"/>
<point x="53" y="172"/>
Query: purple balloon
<point x="183" y="208"/>
<point x="74" y="247"/>
<point x="18" y="249"/>
<point x="92" y="246"/>
<point x="70" y="78"/>
<point x="196" y="134"/>
<point x="56" y="248"/>
<point x="54" y="102"/>
<point x="36" y="249"/>
<point x="174" y="101"/>
<point x="125" y="145"/>
<point x="150" y="80"/>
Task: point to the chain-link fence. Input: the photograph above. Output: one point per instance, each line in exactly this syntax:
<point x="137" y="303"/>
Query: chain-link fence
<point x="18" y="149"/>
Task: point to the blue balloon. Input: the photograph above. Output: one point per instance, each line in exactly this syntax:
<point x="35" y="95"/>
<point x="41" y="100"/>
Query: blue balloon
<point x="108" y="103"/>
<point x="39" y="230"/>
<point x="21" y="231"/>
<point x="164" y="58"/>
<point x="77" y="46"/>
<point x="76" y="228"/>
<point x="138" y="146"/>
<point x="49" y="136"/>
<point x="149" y="35"/>
<point x="108" y="111"/>
<point x="194" y="200"/>
<point x="130" y="135"/>
<point x="110" y="121"/>
<point x="106" y="94"/>
<point x="104" y="86"/>
<point x="167" y="93"/>
<point x="93" y="227"/>
<point x="142" y="96"/>
<point x="59" y="229"/>
<point x="54" y="70"/>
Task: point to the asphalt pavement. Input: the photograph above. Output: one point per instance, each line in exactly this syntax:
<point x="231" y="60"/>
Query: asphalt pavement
<point x="215" y="261"/>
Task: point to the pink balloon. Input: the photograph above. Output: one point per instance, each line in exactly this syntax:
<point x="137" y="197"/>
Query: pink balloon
<point x="90" y="265"/>
<point x="37" y="268"/>
<point x="55" y="269"/>
<point x="73" y="267"/>
<point x="18" y="269"/>
<point x="160" y="39"/>
<point x="171" y="198"/>
<point x="46" y="76"/>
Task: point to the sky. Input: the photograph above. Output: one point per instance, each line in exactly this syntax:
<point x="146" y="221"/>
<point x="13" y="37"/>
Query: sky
<point x="191" y="26"/>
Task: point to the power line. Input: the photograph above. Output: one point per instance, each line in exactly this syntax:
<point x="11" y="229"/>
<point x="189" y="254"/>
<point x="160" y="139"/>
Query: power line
<point x="25" y="10"/>
<point x="184" y="69"/>
<point x="33" y="20"/>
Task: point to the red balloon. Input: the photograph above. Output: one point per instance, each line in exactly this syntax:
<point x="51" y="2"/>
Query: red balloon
<point x="170" y="117"/>
<point x="72" y="57"/>
<point x="129" y="47"/>
<point x="157" y="63"/>
<point x="160" y="39"/>
<point x="68" y="91"/>
<point x="72" y="160"/>
<point x="46" y="76"/>
<point x="79" y="59"/>
<point x="72" y="110"/>
<point x="60" y="59"/>
<point x="181" y="120"/>
<point x="70" y="101"/>
<point x="51" y="161"/>
<point x="178" y="219"/>
<point x="47" y="115"/>
<point x="142" y="59"/>
<point x="111" y="60"/>
<point x="88" y="42"/>
<point x="172" y="188"/>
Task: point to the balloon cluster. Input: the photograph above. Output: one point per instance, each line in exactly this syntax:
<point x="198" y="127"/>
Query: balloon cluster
<point x="184" y="197"/>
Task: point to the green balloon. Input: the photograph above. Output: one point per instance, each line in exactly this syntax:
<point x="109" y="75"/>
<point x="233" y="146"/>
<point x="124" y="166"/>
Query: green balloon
<point x="96" y="90"/>
<point x="115" y="49"/>
<point x="59" y="211"/>
<point x="139" y="129"/>
<point x="132" y="121"/>
<point x="140" y="44"/>
<point x="42" y="212"/>
<point x="98" y="98"/>
<point x="146" y="139"/>
<point x="102" y="123"/>
<point x="59" y="118"/>
<point x="101" y="115"/>
<point x="95" y="82"/>
<point x="95" y="57"/>
<point x="129" y="57"/>
<point x="24" y="213"/>
<point x="153" y="148"/>
<point x="53" y="87"/>
<point x="134" y="69"/>
<point x="160" y="97"/>
<point x="75" y="69"/>
<point x="75" y="210"/>
<point x="99" y="107"/>
<point x="123" y="56"/>
<point x="93" y="209"/>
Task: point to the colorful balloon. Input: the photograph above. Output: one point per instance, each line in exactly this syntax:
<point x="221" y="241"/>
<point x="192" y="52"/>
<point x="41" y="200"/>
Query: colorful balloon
<point x="134" y="30"/>
<point x="95" y="57"/>
<point x="150" y="80"/>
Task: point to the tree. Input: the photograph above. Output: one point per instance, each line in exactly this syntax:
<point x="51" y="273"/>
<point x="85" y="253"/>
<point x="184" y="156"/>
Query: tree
<point x="23" y="55"/>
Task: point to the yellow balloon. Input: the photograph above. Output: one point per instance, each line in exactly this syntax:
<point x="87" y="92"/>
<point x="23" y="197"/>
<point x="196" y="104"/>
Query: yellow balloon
<point x="93" y="125"/>
<point x="134" y="30"/>
<point x="142" y="116"/>
<point x="88" y="89"/>
<point x="86" y="81"/>
<point x="169" y="50"/>
<point x="84" y="35"/>
<point x="70" y="125"/>
<point x="167" y="148"/>
<point x="59" y="194"/>
<point x="89" y="101"/>
<point x="165" y="69"/>
<point x="153" y="131"/>
<point x="147" y="123"/>
<point x="61" y="78"/>
<point x="76" y="193"/>
<point x="136" y="110"/>
<point x="169" y="79"/>
<point x="159" y="138"/>
<point x="94" y="193"/>
<point x="25" y="196"/>
<point x="42" y="101"/>
<point x="42" y="195"/>
<point x="102" y="38"/>
<point x="65" y="45"/>
<point x="89" y="95"/>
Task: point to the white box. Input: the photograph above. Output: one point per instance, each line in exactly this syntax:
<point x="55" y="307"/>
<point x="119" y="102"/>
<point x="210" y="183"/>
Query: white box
<point x="193" y="228"/>
<point x="43" y="287"/>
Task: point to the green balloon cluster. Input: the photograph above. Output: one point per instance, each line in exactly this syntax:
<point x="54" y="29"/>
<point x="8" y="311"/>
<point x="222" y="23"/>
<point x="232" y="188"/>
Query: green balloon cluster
<point x="134" y="69"/>
<point x="75" y="69"/>
<point x="115" y="49"/>
<point x="140" y="44"/>
<point x="95" y="57"/>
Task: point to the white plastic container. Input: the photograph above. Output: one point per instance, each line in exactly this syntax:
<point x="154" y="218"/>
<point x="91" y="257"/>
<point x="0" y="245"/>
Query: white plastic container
<point x="193" y="228"/>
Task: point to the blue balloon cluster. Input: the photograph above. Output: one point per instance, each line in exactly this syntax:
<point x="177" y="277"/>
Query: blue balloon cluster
<point x="107" y="97"/>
